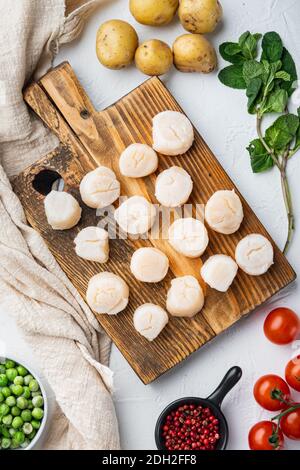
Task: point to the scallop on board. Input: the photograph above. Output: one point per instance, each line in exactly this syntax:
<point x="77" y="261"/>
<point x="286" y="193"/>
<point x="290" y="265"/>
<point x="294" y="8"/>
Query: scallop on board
<point x="91" y="138"/>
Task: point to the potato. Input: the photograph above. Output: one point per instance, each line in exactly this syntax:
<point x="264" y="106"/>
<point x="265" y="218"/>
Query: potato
<point x="154" y="57"/>
<point x="153" y="12"/>
<point x="194" y="53"/>
<point x="116" y="44"/>
<point x="200" y="16"/>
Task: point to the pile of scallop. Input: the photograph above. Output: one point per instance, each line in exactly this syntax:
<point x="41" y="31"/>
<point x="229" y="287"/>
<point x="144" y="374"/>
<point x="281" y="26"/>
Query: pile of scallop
<point x="117" y="42"/>
<point x="108" y="293"/>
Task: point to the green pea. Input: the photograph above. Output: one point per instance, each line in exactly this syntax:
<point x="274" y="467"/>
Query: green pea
<point x="19" y="437"/>
<point x="5" y="443"/>
<point x="15" y="411"/>
<point x="35" y="424"/>
<point x="7" y="420"/>
<point x="37" y="413"/>
<point x="19" y="380"/>
<point x="10" y="401"/>
<point x="26" y="392"/>
<point x="26" y="416"/>
<point x="1" y="397"/>
<point x="30" y="405"/>
<point x="25" y="444"/>
<point x="11" y="374"/>
<point x="33" y="385"/>
<point x="27" y="428"/>
<point x="9" y="364"/>
<point x="17" y="422"/>
<point x="3" y="380"/>
<point x="17" y="390"/>
<point x="14" y="444"/>
<point x="2" y="369"/>
<point x="27" y="379"/>
<point x="22" y="403"/>
<point x="6" y="392"/>
<point x="12" y="432"/>
<point x="4" y="409"/>
<point x="32" y="435"/>
<point x="38" y="401"/>
<point x="4" y="431"/>
<point x="22" y="371"/>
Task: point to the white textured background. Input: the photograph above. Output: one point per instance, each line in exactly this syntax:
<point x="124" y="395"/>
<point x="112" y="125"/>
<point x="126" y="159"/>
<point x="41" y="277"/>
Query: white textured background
<point x="220" y="115"/>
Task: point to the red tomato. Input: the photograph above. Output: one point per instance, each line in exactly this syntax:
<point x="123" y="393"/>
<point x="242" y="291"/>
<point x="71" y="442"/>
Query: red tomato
<point x="290" y="424"/>
<point x="262" y="436"/>
<point x="292" y="373"/>
<point x="266" y="387"/>
<point x="282" y="326"/>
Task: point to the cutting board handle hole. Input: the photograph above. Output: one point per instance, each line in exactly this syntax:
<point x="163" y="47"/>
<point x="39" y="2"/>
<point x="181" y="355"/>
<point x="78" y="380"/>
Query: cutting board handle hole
<point x="47" y="180"/>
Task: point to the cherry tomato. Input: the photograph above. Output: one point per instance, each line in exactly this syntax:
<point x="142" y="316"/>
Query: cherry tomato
<point x="267" y="392"/>
<point x="292" y="373"/>
<point x="282" y="326"/>
<point x="290" y="424"/>
<point x="262" y="436"/>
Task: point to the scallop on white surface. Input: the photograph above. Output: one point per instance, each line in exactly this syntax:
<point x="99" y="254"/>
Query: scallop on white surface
<point x="99" y="188"/>
<point x="138" y="160"/>
<point x="173" y="133"/>
<point x="107" y="293"/>
<point x="224" y="212"/>
<point x="185" y="297"/>
<point x="173" y="187"/>
<point x="254" y="254"/>
<point x="189" y="237"/>
<point x="136" y="215"/>
<point x="149" y="320"/>
<point x="219" y="272"/>
<point x="149" y="265"/>
<point x="62" y="210"/>
<point x="92" y="244"/>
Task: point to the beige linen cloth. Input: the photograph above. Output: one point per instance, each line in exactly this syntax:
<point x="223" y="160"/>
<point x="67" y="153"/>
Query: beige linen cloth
<point x="59" y="326"/>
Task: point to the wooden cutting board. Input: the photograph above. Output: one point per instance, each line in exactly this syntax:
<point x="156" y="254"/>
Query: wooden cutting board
<point x="90" y="138"/>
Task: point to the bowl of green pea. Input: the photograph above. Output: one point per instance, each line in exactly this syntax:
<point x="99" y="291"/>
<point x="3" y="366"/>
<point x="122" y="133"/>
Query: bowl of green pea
<point x="23" y="406"/>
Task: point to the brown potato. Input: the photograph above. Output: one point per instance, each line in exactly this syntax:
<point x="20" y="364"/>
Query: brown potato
<point x="194" y="53"/>
<point x="200" y="16"/>
<point x="153" y="12"/>
<point x="116" y="44"/>
<point x="154" y="57"/>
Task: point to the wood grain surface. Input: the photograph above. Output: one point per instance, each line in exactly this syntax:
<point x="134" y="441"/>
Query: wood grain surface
<point x="90" y="138"/>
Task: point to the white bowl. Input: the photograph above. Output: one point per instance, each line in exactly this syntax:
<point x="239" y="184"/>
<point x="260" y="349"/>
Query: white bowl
<point x="42" y="427"/>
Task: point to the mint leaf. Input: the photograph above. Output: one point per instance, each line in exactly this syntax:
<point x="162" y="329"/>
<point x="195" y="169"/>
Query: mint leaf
<point x="234" y="59"/>
<point x="275" y="103"/>
<point x="232" y="48"/>
<point x="272" y="46"/>
<point x="245" y="49"/>
<point x="252" y="69"/>
<point x="232" y="76"/>
<point x="243" y="38"/>
<point x="288" y="65"/>
<point x="282" y="131"/>
<point x="259" y="157"/>
<point x="268" y="77"/>
<point x="283" y="76"/>
<point x="252" y="92"/>
<point x="248" y="44"/>
<point x="297" y="140"/>
<point x="266" y="70"/>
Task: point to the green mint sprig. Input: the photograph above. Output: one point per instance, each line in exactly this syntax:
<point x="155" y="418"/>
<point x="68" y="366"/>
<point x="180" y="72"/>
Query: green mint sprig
<point x="269" y="83"/>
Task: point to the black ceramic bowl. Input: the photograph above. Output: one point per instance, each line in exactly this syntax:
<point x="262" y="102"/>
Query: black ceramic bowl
<point x="214" y="402"/>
